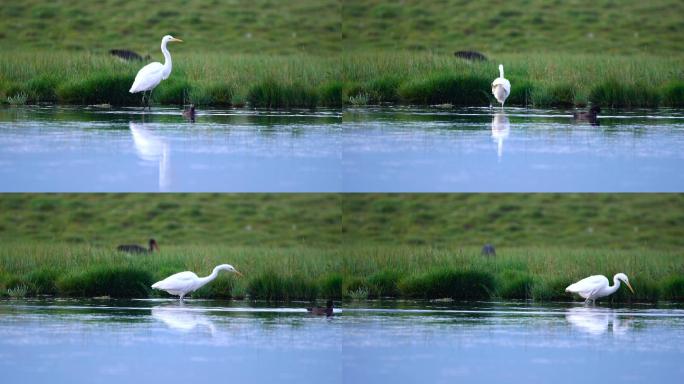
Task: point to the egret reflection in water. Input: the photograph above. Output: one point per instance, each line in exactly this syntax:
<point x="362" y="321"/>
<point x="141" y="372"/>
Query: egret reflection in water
<point x="154" y="150"/>
<point x="500" y="130"/>
<point x="181" y="318"/>
<point x="597" y="321"/>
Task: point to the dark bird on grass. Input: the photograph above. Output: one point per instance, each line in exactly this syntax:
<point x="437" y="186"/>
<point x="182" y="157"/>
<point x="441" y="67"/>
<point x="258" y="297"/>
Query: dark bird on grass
<point x="319" y="311"/>
<point x="135" y="248"/>
<point x="488" y="250"/>
<point x="189" y="113"/>
<point x="590" y="116"/>
<point x="127" y="55"/>
<point x="470" y="55"/>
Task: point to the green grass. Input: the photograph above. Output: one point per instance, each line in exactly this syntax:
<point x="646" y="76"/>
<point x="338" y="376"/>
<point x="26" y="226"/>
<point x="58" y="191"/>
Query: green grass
<point x="206" y="79"/>
<point x="228" y="26"/>
<point x="282" y="274"/>
<point x="357" y="246"/>
<point x="497" y="26"/>
<point x="305" y="54"/>
<point x="538" y="80"/>
<point x="106" y="220"/>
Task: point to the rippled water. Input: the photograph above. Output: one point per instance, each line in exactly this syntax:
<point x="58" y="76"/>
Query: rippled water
<point x="519" y="150"/>
<point x="360" y="150"/>
<point x="395" y="342"/>
<point x="102" y="150"/>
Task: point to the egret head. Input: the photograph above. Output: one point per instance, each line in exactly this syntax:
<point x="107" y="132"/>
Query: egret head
<point x="622" y="277"/>
<point x="229" y="268"/>
<point x="169" y="38"/>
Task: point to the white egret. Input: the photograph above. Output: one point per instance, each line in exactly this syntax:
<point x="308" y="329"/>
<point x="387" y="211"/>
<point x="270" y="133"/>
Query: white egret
<point x="501" y="87"/>
<point x="183" y="283"/>
<point x="597" y="286"/>
<point x="153" y="73"/>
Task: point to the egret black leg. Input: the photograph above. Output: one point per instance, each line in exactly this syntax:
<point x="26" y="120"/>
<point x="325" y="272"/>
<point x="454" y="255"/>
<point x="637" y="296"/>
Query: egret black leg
<point x="148" y="100"/>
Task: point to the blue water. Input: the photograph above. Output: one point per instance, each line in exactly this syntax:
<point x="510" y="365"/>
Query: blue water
<point x="519" y="150"/>
<point x="95" y="150"/>
<point x="162" y="341"/>
<point x="358" y="150"/>
<point x="113" y="341"/>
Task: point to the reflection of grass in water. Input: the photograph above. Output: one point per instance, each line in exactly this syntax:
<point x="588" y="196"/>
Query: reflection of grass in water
<point x="536" y="80"/>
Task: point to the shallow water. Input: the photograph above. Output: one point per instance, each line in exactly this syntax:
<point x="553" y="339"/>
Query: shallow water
<point x="126" y="150"/>
<point x="360" y="150"/>
<point x="519" y="150"/>
<point x="498" y="342"/>
<point x="161" y="341"/>
<point x="396" y="342"/>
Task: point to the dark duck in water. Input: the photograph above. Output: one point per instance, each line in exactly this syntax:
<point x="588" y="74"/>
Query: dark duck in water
<point x="590" y="116"/>
<point x="319" y="311"/>
<point x="135" y="248"/>
<point x="189" y="113"/>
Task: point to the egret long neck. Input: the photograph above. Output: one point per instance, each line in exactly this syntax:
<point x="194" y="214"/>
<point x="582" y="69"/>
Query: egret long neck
<point x="206" y="279"/>
<point x="613" y="288"/>
<point x="167" y="59"/>
<point x="501" y="75"/>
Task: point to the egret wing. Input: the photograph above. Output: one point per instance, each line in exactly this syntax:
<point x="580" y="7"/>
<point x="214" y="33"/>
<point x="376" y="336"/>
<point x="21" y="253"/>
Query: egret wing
<point x="148" y="77"/>
<point x="589" y="284"/>
<point x="503" y="83"/>
<point x="178" y="282"/>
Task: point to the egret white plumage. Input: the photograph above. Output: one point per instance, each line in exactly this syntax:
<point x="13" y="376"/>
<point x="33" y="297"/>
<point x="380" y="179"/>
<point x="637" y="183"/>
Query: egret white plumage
<point x="597" y="286"/>
<point x="182" y="283"/>
<point x="501" y="87"/>
<point x="152" y="74"/>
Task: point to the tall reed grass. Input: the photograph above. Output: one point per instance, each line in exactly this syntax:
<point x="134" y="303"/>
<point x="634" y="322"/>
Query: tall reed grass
<point x="202" y="79"/>
<point x="537" y="80"/>
<point x="356" y="272"/>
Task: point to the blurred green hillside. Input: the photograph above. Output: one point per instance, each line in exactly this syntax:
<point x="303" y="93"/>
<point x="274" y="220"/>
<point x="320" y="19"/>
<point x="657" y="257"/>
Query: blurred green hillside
<point x="614" y="221"/>
<point x="230" y="26"/>
<point x="514" y="26"/>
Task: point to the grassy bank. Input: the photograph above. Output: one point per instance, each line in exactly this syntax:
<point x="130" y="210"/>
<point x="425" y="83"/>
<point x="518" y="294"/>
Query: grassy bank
<point x="356" y="246"/>
<point x="356" y="273"/>
<point x="537" y="80"/>
<point x="206" y="79"/>
<point x="106" y="220"/>
<point x="494" y="26"/>
<point x="265" y="81"/>
<point x="235" y="26"/>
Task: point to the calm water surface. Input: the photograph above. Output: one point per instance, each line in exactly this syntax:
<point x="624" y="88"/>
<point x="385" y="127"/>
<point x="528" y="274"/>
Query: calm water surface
<point x="102" y="150"/>
<point x="397" y="342"/>
<point x="163" y="342"/>
<point x="519" y="150"/>
<point x="495" y="343"/>
<point x="360" y="150"/>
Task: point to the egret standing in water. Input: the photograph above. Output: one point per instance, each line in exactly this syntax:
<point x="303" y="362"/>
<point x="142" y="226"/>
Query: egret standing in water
<point x="153" y="73"/>
<point x="594" y="287"/>
<point x="182" y="283"/>
<point x="501" y="87"/>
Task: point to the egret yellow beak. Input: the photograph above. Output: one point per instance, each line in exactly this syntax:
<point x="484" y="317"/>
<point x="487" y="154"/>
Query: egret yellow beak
<point x="630" y="287"/>
<point x="178" y="40"/>
<point x="239" y="274"/>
